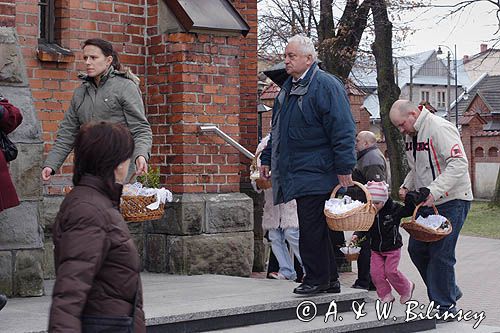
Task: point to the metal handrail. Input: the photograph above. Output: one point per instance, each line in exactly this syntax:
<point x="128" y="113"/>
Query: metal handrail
<point x="227" y="138"/>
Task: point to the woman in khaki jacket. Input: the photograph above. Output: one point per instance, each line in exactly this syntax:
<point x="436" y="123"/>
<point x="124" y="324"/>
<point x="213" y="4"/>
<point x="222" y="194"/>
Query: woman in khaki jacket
<point x="108" y="94"/>
<point x="98" y="285"/>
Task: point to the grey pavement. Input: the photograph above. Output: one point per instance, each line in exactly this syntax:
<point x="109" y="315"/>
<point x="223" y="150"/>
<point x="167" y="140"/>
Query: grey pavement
<point x="477" y="274"/>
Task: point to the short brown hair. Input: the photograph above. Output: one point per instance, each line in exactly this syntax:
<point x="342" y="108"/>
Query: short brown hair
<point x="99" y="149"/>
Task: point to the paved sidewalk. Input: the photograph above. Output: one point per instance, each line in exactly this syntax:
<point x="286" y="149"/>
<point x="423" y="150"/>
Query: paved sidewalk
<point x="477" y="274"/>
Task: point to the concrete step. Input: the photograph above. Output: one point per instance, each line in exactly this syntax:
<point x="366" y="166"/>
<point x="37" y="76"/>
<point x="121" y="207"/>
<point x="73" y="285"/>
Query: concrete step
<point x="219" y="302"/>
<point x="345" y="322"/>
<point x="462" y="327"/>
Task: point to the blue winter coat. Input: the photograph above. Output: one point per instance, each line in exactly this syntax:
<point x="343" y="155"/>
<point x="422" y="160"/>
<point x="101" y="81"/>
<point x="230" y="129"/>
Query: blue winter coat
<point x="312" y="138"/>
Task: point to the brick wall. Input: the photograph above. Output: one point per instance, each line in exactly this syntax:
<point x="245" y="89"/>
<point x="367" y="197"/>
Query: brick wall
<point x="479" y="106"/>
<point x="360" y="114"/>
<point x="486" y="143"/>
<point x="267" y="117"/>
<point x="7" y="13"/>
<point x="187" y="80"/>
<point x="266" y="123"/>
<point x="476" y="140"/>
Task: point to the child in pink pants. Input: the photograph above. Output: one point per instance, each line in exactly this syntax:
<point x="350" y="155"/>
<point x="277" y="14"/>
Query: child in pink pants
<point x="386" y="243"/>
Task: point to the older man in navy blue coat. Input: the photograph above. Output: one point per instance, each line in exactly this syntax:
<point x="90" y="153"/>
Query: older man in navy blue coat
<point x="311" y="150"/>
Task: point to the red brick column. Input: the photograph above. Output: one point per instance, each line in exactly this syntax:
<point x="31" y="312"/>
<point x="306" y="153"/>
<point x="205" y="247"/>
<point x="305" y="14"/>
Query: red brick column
<point x="193" y="79"/>
<point x="248" y="77"/>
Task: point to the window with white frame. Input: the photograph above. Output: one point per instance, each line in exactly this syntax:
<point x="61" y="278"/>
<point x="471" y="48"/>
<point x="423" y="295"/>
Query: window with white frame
<point x="441" y="99"/>
<point x="425" y="96"/>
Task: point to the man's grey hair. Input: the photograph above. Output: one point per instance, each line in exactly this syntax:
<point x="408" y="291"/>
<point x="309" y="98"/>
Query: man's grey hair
<point x="306" y="45"/>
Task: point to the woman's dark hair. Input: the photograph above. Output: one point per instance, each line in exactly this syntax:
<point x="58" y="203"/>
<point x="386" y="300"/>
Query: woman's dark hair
<point x="99" y="149"/>
<point x="106" y="48"/>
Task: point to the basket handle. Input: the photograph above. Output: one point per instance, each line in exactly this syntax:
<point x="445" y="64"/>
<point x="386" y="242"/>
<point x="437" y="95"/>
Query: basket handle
<point x="368" y="195"/>
<point x="133" y="175"/>
<point x="418" y="207"/>
<point x="254" y="161"/>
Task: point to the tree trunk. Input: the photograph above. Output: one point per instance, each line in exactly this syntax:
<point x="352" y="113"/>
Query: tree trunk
<point x="496" y="196"/>
<point x="326" y="28"/>
<point x="388" y="92"/>
<point x="338" y="49"/>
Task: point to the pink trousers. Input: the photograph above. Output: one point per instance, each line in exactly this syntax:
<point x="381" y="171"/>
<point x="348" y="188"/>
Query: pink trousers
<point x="384" y="272"/>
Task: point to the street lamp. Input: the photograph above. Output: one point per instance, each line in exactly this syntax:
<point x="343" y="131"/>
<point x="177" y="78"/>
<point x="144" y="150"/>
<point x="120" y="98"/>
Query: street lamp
<point x="439" y="51"/>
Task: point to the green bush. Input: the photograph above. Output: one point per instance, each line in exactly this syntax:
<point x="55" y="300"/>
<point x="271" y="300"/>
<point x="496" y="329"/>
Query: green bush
<point x="150" y="179"/>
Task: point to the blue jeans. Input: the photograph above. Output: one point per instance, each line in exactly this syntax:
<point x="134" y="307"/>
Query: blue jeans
<point x="280" y="250"/>
<point x="435" y="261"/>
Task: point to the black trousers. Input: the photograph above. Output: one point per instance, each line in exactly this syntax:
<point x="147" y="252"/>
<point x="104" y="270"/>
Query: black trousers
<point x="314" y="242"/>
<point x="337" y="239"/>
<point x="364" y="278"/>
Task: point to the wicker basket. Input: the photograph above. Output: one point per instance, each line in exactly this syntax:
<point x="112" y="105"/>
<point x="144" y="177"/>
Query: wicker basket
<point x="422" y="233"/>
<point x="263" y="184"/>
<point x="351" y="256"/>
<point x="357" y="219"/>
<point x="133" y="208"/>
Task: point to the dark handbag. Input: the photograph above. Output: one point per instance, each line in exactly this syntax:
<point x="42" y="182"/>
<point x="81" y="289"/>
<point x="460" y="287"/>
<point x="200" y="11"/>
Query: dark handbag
<point x="110" y="324"/>
<point x="8" y="147"/>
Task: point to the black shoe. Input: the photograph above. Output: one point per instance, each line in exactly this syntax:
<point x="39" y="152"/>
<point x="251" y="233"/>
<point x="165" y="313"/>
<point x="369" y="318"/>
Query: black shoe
<point x="334" y="287"/>
<point x="357" y="286"/>
<point x="459" y="295"/>
<point x="372" y="287"/>
<point x="3" y="301"/>
<point x="309" y="289"/>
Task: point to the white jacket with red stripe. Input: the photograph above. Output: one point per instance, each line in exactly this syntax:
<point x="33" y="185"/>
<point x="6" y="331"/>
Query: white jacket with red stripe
<point x="441" y="164"/>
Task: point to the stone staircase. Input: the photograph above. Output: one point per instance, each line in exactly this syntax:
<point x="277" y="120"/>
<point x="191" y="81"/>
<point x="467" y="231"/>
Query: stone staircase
<point x="205" y="303"/>
<point x="231" y="304"/>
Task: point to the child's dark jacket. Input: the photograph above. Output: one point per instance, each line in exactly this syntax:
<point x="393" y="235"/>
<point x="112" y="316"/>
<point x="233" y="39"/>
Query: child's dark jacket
<point x="384" y="233"/>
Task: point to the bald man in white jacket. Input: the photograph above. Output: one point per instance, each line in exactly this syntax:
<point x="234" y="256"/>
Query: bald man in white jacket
<point x="438" y="166"/>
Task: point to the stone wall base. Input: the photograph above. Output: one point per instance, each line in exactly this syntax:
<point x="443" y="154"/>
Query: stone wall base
<point x="198" y="234"/>
<point x="202" y="233"/>
<point x="260" y="258"/>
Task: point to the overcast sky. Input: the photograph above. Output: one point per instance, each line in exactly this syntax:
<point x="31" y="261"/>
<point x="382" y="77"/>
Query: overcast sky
<point x="467" y="30"/>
